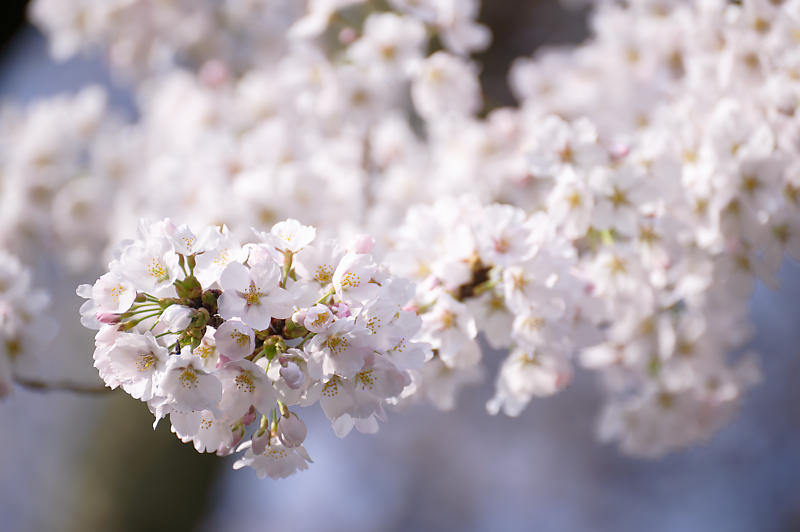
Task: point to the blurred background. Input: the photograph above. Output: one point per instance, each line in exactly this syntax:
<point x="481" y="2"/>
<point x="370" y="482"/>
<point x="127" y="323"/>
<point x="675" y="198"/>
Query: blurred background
<point x="92" y="462"/>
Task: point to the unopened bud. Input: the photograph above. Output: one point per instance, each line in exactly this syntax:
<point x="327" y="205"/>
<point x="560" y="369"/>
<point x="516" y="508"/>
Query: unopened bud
<point x="177" y="317"/>
<point x="249" y="417"/>
<point x="347" y="35"/>
<point x="189" y="288"/>
<point x="342" y="310"/>
<point x="292" y="375"/>
<point x="214" y="73"/>
<point x="260" y="440"/>
<point x="209" y="299"/>
<point x="291" y="430"/>
<point x="238" y="435"/>
<point x="274" y="345"/>
<point x="363" y="244"/>
<point x="108" y="318"/>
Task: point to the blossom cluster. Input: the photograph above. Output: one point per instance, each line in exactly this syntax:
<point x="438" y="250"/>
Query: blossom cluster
<point x="224" y="338"/>
<point x="298" y="121"/>
<point x="617" y="217"/>
<point x="57" y="171"/>
<point x="318" y="122"/>
<point x="497" y="271"/>
<point x="670" y="288"/>
<point x="233" y="35"/>
<point x="24" y="326"/>
<point x="667" y="164"/>
<point x="680" y="151"/>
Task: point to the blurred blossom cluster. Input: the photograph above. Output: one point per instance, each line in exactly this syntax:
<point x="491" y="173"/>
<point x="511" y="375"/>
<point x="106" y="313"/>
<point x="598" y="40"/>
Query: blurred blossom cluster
<point x="24" y="328"/>
<point x="616" y="219"/>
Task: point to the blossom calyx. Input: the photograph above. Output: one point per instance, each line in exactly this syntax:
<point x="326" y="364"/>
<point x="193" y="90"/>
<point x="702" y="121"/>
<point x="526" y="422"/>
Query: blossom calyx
<point x="273" y="345"/>
<point x="189" y="288"/>
<point x="209" y="300"/>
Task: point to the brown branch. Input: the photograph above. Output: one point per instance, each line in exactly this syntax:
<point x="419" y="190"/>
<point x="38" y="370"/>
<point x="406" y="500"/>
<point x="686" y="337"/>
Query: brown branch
<point x="61" y="386"/>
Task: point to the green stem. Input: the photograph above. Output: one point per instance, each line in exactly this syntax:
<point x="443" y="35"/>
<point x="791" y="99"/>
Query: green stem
<point x="61" y="386"/>
<point x="328" y="294"/>
<point x="306" y="337"/>
<point x="485" y="286"/>
<point x="138" y="310"/>
<point x="282" y="407"/>
<point x="142" y="318"/>
<point x="263" y="425"/>
<point x="425" y="308"/>
<point x="288" y="257"/>
<point x="607" y="237"/>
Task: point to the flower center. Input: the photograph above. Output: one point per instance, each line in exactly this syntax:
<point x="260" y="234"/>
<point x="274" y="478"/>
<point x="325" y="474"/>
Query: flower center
<point x="240" y="338"/>
<point x="336" y="344"/>
<point x="244" y="382"/>
<point x="188" y="378"/>
<point x="253" y="295"/>
<point x="324" y="273"/>
<point x="351" y="280"/>
<point x="116" y="292"/>
<point x="144" y="361"/>
<point x="157" y="270"/>
<point x="366" y="379"/>
<point x="320" y="320"/>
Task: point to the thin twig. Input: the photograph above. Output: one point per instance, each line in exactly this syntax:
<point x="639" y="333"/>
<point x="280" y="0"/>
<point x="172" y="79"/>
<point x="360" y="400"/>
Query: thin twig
<point x="61" y="386"/>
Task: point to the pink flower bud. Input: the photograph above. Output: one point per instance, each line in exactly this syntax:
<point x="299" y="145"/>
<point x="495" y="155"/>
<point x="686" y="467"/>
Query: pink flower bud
<point x="169" y="227"/>
<point x="249" y="417"/>
<point x="620" y="150"/>
<point x="108" y="318"/>
<point x="291" y="430"/>
<point x="342" y="310"/>
<point x="260" y="442"/>
<point x="214" y="73"/>
<point x="238" y="435"/>
<point x="292" y="375"/>
<point x="347" y="35"/>
<point x="363" y="244"/>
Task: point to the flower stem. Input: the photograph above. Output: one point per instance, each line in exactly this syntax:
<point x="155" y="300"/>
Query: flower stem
<point x="61" y="386"/>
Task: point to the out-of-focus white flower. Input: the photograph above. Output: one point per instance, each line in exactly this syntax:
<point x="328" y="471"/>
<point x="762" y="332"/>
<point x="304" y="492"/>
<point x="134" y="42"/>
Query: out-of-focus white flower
<point x="446" y="85"/>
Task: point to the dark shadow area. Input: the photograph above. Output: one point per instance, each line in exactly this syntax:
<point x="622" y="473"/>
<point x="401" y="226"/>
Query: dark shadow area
<point x="137" y="479"/>
<point x="12" y="18"/>
<point x="518" y="28"/>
